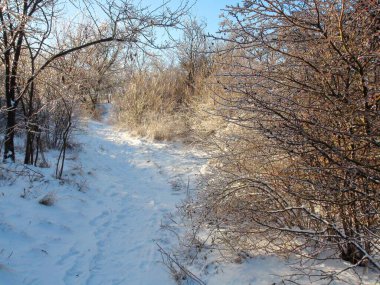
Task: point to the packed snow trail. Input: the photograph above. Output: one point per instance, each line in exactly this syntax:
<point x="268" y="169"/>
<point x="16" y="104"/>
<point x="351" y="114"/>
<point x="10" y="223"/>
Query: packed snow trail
<point x="107" y="232"/>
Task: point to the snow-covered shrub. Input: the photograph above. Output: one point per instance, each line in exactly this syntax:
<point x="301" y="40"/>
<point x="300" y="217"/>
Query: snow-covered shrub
<point x="297" y="169"/>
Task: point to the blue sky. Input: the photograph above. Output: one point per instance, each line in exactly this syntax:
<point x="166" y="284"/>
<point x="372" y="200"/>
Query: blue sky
<point x="209" y="11"/>
<point x="206" y="10"/>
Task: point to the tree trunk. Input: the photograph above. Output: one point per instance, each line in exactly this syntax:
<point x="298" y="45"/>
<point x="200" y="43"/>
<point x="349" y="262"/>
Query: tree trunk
<point x="10" y="94"/>
<point x="29" y="148"/>
<point x="31" y="126"/>
<point x="9" y="148"/>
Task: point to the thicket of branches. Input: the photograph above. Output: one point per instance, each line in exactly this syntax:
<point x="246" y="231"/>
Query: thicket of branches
<point x="296" y="98"/>
<point x="160" y="97"/>
<point x="297" y="169"/>
<point x="51" y="64"/>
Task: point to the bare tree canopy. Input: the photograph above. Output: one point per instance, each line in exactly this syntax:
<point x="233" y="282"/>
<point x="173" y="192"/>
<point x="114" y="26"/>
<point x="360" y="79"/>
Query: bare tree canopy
<point x="28" y="25"/>
<point x="301" y="166"/>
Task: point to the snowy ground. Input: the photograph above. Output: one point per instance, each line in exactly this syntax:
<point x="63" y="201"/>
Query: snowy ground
<point x="272" y="270"/>
<point x="106" y="220"/>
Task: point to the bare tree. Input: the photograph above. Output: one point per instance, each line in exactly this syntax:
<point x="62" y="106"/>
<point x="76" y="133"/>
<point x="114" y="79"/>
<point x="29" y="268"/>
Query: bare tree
<point x="22" y="20"/>
<point x="192" y="52"/>
<point x="300" y="168"/>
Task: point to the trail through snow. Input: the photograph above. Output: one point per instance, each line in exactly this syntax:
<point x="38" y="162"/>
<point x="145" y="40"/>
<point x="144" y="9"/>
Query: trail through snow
<point x="106" y="219"/>
<point x="106" y="233"/>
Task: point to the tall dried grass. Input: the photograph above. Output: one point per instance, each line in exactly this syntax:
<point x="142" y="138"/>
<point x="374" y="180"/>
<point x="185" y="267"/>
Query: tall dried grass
<point x="159" y="105"/>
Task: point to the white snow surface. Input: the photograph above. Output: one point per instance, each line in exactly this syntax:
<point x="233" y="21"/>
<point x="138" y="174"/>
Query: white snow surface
<point x="105" y="222"/>
<point x="106" y="218"/>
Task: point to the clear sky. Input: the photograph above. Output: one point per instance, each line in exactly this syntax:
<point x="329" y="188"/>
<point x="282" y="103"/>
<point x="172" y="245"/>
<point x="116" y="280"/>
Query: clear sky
<point x="209" y="11"/>
<point x="205" y="10"/>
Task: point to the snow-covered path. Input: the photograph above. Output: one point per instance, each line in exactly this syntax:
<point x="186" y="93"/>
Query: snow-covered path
<point x="133" y="178"/>
<point x="105" y="222"/>
<point x="106" y="233"/>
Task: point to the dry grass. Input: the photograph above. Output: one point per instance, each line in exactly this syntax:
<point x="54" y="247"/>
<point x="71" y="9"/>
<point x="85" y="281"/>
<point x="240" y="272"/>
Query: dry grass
<point x="154" y="105"/>
<point x="165" y="127"/>
<point x="159" y="105"/>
